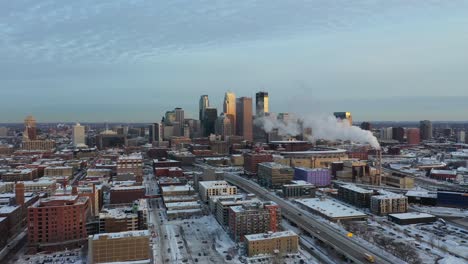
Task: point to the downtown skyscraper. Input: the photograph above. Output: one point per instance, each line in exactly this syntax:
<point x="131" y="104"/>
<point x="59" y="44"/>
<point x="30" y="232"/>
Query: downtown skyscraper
<point x="229" y="109"/>
<point x="261" y="103"/>
<point x="244" y="118"/>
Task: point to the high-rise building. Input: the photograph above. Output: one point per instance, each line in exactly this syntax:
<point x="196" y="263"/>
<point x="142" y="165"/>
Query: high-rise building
<point x="398" y="133"/>
<point x="229" y="108"/>
<point x="425" y="129"/>
<point x="461" y="138"/>
<point x="386" y="133"/>
<point x="156" y="132"/>
<point x="180" y="118"/>
<point x="209" y="121"/>
<point x="261" y="103"/>
<point x="244" y="118"/>
<point x="344" y="116"/>
<point x="223" y="125"/>
<point x="413" y="136"/>
<point x="78" y="135"/>
<point x="366" y="126"/>
<point x="3" y="131"/>
<point x="30" y="132"/>
<point x="169" y="118"/>
<point x="203" y="104"/>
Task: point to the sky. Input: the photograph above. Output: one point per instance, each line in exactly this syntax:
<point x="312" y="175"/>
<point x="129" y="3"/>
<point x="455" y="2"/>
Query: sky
<point x="131" y="60"/>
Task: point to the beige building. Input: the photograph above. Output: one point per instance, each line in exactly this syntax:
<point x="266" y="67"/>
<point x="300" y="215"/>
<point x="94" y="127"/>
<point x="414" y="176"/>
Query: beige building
<point x="119" y="247"/>
<point x="32" y="145"/>
<point x="215" y="188"/>
<point x="278" y="243"/>
<point x="131" y="164"/>
<point x="388" y="203"/>
<point x="58" y="171"/>
<point x="78" y="135"/>
<point x="398" y="181"/>
<point x="318" y="157"/>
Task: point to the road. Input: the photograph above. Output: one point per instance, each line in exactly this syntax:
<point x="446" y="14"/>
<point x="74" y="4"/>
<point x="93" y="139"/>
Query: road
<point x="342" y="244"/>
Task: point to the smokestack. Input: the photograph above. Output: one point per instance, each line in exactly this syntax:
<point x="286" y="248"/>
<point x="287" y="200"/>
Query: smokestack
<point x="19" y="193"/>
<point x="74" y="190"/>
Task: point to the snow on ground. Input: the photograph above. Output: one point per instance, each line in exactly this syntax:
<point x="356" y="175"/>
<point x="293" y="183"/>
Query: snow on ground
<point x="441" y="211"/>
<point x="62" y="257"/>
<point x="452" y="260"/>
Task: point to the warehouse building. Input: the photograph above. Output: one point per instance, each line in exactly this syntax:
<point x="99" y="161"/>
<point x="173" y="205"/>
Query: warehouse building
<point x="411" y="218"/>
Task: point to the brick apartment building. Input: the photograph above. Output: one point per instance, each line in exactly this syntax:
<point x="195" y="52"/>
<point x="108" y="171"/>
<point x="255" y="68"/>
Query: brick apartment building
<point x="253" y="218"/>
<point x="286" y="242"/>
<point x="131" y="164"/>
<point x="57" y="222"/>
<point x="251" y="161"/>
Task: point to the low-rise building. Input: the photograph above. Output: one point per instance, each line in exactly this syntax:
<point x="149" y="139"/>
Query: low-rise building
<point x="126" y="194"/>
<point x="120" y="247"/>
<point x="215" y="188"/>
<point x="274" y="175"/>
<point x="331" y="210"/>
<point x="270" y="243"/>
<point x="58" y="171"/>
<point x="177" y="190"/>
<point x="398" y="180"/>
<point x="412" y="218"/>
<point x="251" y="161"/>
<point x="131" y="164"/>
<point x="319" y="177"/>
<point x="298" y="189"/>
<point x="355" y="195"/>
<point x="223" y="205"/>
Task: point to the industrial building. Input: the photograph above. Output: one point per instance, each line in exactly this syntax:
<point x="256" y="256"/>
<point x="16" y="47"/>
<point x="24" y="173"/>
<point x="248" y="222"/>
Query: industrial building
<point x="330" y="209"/>
<point x="319" y="177"/>
<point x="317" y="157"/>
<point x="120" y="247"/>
<point x="411" y="218"/>
<point x="452" y="199"/>
<point x="398" y="180"/>
<point x="253" y="218"/>
<point x="279" y="243"/>
<point x="274" y="175"/>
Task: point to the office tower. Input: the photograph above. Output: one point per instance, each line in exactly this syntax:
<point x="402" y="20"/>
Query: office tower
<point x="169" y="118"/>
<point x="425" y="129"/>
<point x="386" y="133"/>
<point x="261" y="103"/>
<point x="155" y="132"/>
<point x="461" y="138"/>
<point x="223" y="125"/>
<point x="204" y="103"/>
<point x="398" y="133"/>
<point x="413" y="136"/>
<point x="30" y="128"/>
<point x="209" y="121"/>
<point x="229" y="108"/>
<point x="344" y="116"/>
<point x="244" y="118"/>
<point x="3" y="131"/>
<point x="179" y="118"/>
<point x="78" y="135"/>
<point x="366" y="126"/>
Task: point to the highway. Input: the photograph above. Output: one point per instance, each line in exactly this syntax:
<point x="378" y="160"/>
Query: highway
<point x="342" y="244"/>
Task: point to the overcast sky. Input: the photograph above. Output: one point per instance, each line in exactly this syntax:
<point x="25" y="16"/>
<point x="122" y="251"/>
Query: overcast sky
<point x="130" y="60"/>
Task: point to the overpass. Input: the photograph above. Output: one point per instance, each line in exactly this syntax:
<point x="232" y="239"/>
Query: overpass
<point x="338" y="240"/>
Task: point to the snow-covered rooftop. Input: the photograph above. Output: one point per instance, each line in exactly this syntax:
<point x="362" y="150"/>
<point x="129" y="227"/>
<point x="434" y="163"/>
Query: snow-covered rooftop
<point x="411" y="215"/>
<point x="330" y="208"/>
<point x="270" y="235"/>
<point x="139" y="233"/>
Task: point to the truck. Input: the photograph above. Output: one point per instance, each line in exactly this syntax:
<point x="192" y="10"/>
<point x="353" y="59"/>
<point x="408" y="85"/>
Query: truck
<point x="369" y="257"/>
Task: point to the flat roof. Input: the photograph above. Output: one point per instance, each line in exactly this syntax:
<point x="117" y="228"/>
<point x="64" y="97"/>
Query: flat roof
<point x="407" y="216"/>
<point x="315" y="151"/>
<point x="177" y="188"/>
<point x="139" y="233"/>
<point x="270" y="235"/>
<point x="274" y="165"/>
<point x="214" y="184"/>
<point x="331" y="208"/>
<point x="356" y="188"/>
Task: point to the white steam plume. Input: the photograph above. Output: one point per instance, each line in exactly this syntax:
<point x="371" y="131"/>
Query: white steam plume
<point x="323" y="127"/>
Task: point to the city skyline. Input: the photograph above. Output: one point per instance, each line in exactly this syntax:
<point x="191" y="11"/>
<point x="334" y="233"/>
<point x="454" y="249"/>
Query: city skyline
<point x="75" y="62"/>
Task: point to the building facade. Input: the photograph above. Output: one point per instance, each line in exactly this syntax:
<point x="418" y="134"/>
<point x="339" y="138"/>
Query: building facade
<point x="279" y="243"/>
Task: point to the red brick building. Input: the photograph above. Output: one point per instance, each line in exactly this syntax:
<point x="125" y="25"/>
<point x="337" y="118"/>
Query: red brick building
<point x="251" y="161"/>
<point x="169" y="172"/>
<point x="253" y="218"/>
<point x="57" y="223"/>
<point x="126" y="194"/>
<point x="413" y="136"/>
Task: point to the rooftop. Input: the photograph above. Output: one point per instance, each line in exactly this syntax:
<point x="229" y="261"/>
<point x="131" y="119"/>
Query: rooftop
<point x="269" y="235"/>
<point x="330" y="208"/>
<point x="274" y="165"/>
<point x="139" y="233"/>
<point x="214" y="184"/>
<point x="356" y="188"/>
<point x="411" y="215"/>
